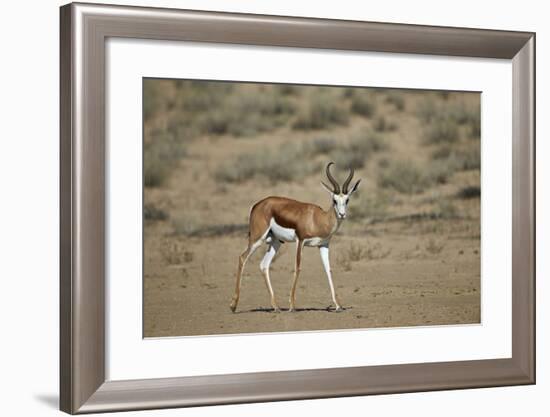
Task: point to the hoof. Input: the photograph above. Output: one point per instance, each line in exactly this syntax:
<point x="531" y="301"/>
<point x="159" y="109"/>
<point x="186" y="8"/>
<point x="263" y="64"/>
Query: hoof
<point x="338" y="309"/>
<point x="276" y="310"/>
<point x="233" y="307"/>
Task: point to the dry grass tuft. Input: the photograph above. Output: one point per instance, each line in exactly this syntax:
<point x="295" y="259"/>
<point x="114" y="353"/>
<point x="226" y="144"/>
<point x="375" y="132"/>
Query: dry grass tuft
<point x="356" y="253"/>
<point x="161" y="155"/>
<point x="284" y="164"/>
<point x="321" y="113"/>
<point x="363" y="104"/>
<point x="152" y="212"/>
<point x="433" y="247"/>
<point x="396" y="98"/>
<point x="382" y="124"/>
<point x="458" y="159"/>
<point x="174" y="253"/>
<point x="409" y="178"/>
<point x="469" y="192"/>
<point x="442" y="130"/>
<point x="369" y="206"/>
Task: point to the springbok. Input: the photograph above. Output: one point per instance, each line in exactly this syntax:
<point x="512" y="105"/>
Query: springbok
<point x="276" y="220"/>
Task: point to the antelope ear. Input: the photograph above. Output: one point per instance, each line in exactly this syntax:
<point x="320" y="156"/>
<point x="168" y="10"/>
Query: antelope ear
<point x="354" y="189"/>
<point x="326" y="187"/>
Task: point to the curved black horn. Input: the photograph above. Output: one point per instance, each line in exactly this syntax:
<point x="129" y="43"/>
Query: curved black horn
<point x="335" y="186"/>
<point x="348" y="180"/>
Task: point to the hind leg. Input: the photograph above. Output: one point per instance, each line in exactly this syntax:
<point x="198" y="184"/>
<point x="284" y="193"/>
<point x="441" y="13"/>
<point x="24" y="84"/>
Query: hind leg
<point x="252" y="246"/>
<point x="297" y="266"/>
<point x="264" y="267"/>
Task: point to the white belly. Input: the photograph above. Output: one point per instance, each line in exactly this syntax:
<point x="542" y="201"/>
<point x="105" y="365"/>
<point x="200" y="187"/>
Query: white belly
<point x="282" y="233"/>
<point x="314" y="241"/>
<point x="286" y="234"/>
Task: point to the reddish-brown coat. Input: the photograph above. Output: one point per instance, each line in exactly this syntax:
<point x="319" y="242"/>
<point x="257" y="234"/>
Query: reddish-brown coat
<point x="309" y="220"/>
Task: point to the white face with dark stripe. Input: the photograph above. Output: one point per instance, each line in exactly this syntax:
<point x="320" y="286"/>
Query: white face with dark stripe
<point x="340" y="195"/>
<point x="340" y="204"/>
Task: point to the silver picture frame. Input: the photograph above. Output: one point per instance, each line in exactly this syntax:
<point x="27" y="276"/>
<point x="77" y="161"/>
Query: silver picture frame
<point x="83" y="34"/>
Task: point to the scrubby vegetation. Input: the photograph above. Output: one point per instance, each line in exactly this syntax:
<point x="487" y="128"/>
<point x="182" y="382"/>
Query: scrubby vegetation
<point x="286" y="163"/>
<point x="469" y="192"/>
<point x="152" y="212"/>
<point x="406" y="145"/>
<point x="383" y="124"/>
<point x="321" y="114"/>
<point x="248" y="114"/>
<point x="396" y="98"/>
<point x="442" y="130"/>
<point x="359" y="148"/>
<point x="161" y="154"/>
<point x="294" y="162"/>
<point x="356" y="252"/>
<point x="404" y="177"/>
<point x="458" y="159"/>
<point x="183" y="110"/>
<point x="363" y="104"/>
<point x="412" y="178"/>
<point x="368" y="206"/>
<point x="448" y="121"/>
<point x="213" y="149"/>
<point x="321" y="146"/>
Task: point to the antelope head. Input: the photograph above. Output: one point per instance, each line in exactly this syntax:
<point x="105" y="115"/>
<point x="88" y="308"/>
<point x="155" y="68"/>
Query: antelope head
<point x="340" y="197"/>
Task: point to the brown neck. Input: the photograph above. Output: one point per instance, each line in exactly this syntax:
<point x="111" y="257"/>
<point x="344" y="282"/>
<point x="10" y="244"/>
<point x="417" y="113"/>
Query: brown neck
<point x="331" y="217"/>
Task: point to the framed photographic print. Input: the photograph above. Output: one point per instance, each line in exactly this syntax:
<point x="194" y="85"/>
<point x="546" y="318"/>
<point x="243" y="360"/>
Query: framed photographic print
<point x="260" y="208"/>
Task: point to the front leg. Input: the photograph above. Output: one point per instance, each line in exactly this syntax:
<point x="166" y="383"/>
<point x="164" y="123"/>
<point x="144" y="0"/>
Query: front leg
<point x="323" y="250"/>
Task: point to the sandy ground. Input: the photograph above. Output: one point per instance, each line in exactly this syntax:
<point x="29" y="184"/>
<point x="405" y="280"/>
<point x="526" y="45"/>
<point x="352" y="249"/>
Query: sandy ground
<point x="407" y="273"/>
<point x="410" y="286"/>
